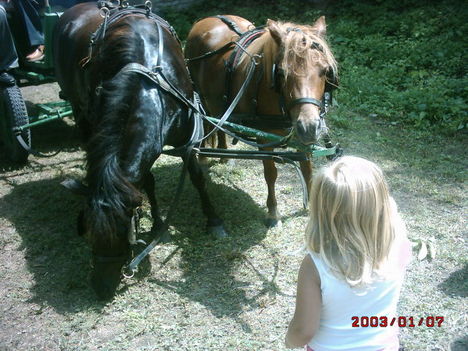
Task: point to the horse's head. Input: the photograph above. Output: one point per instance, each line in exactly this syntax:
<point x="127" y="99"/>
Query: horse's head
<point x="303" y="65"/>
<point x="107" y="225"/>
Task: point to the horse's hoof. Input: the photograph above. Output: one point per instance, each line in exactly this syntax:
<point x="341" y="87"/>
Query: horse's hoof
<point x="273" y="222"/>
<point x="218" y="232"/>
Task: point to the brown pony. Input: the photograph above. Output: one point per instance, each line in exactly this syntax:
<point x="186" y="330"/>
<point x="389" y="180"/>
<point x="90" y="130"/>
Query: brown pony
<point x="294" y="68"/>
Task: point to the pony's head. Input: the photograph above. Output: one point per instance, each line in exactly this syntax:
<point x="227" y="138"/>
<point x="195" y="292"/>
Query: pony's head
<point x="107" y="224"/>
<point x="302" y="67"/>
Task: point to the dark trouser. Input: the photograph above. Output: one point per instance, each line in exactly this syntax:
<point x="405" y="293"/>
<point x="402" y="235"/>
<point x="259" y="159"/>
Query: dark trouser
<point x="28" y="13"/>
<point x="8" y="55"/>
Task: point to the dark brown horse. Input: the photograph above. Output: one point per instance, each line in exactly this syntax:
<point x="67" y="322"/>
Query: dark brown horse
<point x="130" y="92"/>
<point x="294" y="67"/>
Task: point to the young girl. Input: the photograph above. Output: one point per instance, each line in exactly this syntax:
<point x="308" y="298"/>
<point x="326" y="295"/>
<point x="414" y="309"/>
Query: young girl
<point x="349" y="282"/>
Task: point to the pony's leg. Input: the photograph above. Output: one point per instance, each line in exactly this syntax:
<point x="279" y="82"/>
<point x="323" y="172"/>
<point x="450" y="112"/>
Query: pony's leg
<point x="203" y="160"/>
<point x="81" y="122"/>
<point x="158" y="224"/>
<point x="271" y="173"/>
<point x="214" y="223"/>
<point x="306" y="170"/>
<point x="222" y="144"/>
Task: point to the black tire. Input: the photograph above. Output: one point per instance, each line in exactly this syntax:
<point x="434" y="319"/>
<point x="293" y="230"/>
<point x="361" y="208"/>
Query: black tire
<point x="13" y="114"/>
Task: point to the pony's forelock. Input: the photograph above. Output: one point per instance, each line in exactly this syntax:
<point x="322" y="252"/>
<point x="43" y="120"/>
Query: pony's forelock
<point x="302" y="48"/>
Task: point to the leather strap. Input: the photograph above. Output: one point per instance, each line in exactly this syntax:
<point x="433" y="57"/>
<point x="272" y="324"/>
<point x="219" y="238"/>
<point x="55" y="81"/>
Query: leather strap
<point x="306" y="100"/>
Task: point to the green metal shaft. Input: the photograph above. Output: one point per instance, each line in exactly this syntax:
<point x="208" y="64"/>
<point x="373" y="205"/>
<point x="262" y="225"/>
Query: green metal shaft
<point x="45" y="120"/>
<point x="314" y="149"/>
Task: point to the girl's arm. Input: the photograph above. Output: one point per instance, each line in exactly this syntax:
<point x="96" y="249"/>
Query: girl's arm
<point x="306" y="318"/>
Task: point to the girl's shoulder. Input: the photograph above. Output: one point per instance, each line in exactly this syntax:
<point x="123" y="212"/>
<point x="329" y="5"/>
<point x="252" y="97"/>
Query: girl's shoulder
<point x="310" y="269"/>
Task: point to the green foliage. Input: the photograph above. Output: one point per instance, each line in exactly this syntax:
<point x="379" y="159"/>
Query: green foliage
<point x="403" y="61"/>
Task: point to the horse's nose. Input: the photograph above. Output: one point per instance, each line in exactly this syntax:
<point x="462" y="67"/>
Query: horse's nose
<point x="104" y="286"/>
<point x="307" y="130"/>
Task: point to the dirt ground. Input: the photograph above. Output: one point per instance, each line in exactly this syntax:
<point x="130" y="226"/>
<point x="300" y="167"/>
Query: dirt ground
<point x="199" y="294"/>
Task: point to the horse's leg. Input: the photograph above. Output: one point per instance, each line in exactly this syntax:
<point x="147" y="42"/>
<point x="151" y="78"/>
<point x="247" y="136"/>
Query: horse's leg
<point x="306" y="169"/>
<point x="271" y="173"/>
<point x="203" y="160"/>
<point x="158" y="224"/>
<point x="222" y="144"/>
<point x="214" y="223"/>
<point x="81" y="123"/>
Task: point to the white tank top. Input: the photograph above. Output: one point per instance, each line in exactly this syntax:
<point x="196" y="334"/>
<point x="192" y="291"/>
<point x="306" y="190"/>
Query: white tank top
<point x="340" y="303"/>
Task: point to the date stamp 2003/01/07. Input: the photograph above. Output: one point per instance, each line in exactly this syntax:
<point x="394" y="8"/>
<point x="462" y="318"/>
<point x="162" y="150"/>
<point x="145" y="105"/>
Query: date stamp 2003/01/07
<point x="402" y="321"/>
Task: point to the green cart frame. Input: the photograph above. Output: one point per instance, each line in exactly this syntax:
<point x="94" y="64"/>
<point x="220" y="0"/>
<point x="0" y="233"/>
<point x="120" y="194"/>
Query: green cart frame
<point x="15" y="123"/>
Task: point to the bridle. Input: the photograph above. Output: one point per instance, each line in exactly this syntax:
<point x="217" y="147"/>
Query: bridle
<point x="285" y="109"/>
<point x="277" y="77"/>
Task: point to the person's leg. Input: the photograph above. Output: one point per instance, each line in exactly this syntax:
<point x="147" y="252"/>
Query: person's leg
<point x="9" y="57"/>
<point x="28" y="12"/>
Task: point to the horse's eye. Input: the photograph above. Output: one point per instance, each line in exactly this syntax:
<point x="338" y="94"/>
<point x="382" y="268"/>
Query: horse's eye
<point x="316" y="46"/>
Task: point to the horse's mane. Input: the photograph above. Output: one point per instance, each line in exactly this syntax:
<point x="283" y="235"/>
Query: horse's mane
<point x="111" y="192"/>
<point x="302" y="47"/>
<point x="298" y="56"/>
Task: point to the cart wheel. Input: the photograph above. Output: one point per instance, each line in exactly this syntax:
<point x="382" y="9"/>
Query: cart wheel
<point x="13" y="114"/>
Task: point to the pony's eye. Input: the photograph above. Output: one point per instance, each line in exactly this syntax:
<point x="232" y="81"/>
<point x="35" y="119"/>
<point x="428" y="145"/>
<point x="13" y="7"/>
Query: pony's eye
<point x="316" y="46"/>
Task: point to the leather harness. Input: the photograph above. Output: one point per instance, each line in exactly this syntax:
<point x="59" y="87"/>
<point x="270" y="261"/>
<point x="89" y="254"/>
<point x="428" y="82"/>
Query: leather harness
<point x="239" y="48"/>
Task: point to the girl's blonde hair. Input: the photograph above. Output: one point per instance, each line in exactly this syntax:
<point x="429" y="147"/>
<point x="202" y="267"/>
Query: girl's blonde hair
<point x="352" y="219"/>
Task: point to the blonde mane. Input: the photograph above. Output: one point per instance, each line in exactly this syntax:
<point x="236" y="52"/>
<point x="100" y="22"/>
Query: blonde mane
<point x="302" y="48"/>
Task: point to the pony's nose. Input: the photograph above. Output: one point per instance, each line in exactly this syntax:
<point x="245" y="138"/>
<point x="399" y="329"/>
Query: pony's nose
<point x="104" y="286"/>
<point x="307" y="131"/>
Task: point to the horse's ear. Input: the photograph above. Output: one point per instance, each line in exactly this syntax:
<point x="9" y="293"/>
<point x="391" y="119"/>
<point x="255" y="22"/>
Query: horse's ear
<point x="275" y="31"/>
<point x="75" y="186"/>
<point x="320" y="26"/>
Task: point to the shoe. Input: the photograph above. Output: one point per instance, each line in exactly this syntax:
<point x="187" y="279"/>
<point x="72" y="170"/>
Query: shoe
<point x="37" y="54"/>
<point x="7" y="79"/>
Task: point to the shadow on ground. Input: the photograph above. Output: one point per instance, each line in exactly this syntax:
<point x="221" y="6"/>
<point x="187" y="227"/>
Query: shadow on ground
<point x="460" y="344"/>
<point x="209" y="265"/>
<point x="457" y="283"/>
<point x="44" y="215"/>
